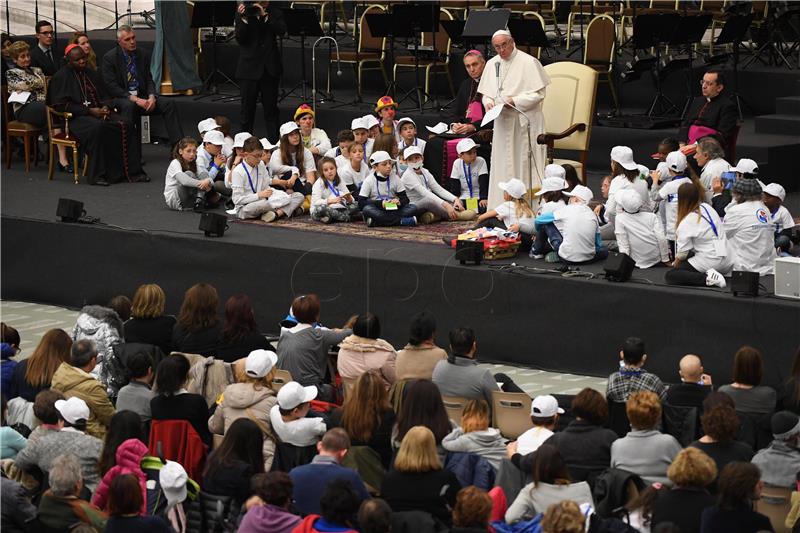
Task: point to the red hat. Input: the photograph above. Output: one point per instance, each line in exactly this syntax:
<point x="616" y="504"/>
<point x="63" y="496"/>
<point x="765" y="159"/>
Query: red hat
<point x="69" y="48"/>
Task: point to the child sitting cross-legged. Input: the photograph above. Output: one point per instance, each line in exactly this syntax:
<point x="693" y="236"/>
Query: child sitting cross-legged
<point x="252" y="195"/>
<point x="354" y="170"/>
<point x="408" y="135"/>
<point x="433" y="201"/>
<point x="469" y="179"/>
<point x="572" y="231"/>
<point x="640" y="234"/>
<point x="330" y="199"/>
<point x="339" y="153"/>
<point x="185" y="188"/>
<point x="513" y="214"/>
<point x="382" y="198"/>
<point x="773" y="196"/>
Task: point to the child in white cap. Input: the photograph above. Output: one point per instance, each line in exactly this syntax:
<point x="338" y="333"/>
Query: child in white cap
<point x="514" y="214"/>
<point x="544" y="416"/>
<point x="668" y="192"/>
<point x="552" y="192"/>
<point x="173" y="479"/>
<point x="236" y="157"/>
<point x="626" y="176"/>
<point x="373" y="126"/>
<point x="355" y="168"/>
<point x="469" y="179"/>
<point x="572" y="231"/>
<point x="773" y="195"/>
<point x="749" y="228"/>
<point x="289" y="418"/>
<point x="640" y="234"/>
<point x="433" y="201"/>
<point x="361" y="135"/>
<point x="292" y="152"/>
<point x="383" y="200"/>
<point x="211" y="162"/>
<point x="408" y="135"/>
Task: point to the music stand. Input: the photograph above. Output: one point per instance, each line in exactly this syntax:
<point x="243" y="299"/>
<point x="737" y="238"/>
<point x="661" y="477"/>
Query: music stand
<point x="734" y="30"/>
<point x="690" y="30"/>
<point x="454" y="29"/>
<point x="381" y="25"/>
<point x="482" y="23"/>
<point x="302" y="22"/>
<point x="213" y="14"/>
<point x="528" y="32"/>
<point x="417" y="19"/>
<point x="651" y="30"/>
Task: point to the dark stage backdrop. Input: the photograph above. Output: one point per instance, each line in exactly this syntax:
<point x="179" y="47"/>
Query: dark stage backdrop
<point x="569" y="325"/>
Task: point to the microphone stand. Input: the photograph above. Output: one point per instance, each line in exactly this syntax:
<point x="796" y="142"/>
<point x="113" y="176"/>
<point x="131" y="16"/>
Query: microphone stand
<point x="314" y="68"/>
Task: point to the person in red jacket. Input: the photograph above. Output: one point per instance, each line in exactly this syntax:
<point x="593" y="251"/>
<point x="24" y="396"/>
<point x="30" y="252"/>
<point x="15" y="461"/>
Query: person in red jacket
<point x="339" y="504"/>
<point x="129" y="457"/>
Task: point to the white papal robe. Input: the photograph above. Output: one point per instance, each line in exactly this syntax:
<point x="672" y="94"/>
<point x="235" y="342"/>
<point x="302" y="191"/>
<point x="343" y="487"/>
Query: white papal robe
<point x="522" y="78"/>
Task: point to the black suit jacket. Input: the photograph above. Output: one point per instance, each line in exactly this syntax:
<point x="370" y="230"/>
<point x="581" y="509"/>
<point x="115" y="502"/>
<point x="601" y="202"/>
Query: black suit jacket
<point x="721" y="115"/>
<point x="465" y="90"/>
<point x="39" y="59"/>
<point x="115" y="73"/>
<point x="258" y="42"/>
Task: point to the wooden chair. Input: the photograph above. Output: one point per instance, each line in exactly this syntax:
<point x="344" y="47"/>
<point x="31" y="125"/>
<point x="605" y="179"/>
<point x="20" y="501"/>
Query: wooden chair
<point x="369" y="50"/>
<point x="569" y="110"/>
<point x="282" y="377"/>
<point x="454" y="405"/>
<point x="546" y="10"/>
<point x="441" y="43"/>
<point x="601" y="40"/>
<point x="62" y="138"/>
<point x="15" y="128"/>
<point x="511" y="413"/>
<point x="534" y="17"/>
<point x="580" y="11"/>
<point x="775" y="503"/>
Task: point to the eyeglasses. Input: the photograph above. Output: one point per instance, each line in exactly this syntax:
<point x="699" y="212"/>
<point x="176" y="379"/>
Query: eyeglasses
<point x="502" y="46"/>
<point x="46" y="33"/>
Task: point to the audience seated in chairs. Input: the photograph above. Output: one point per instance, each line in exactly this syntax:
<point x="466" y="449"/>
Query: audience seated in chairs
<point x="475" y="436"/>
<point x="780" y="461"/>
<point x="789" y="395"/>
<point x="137" y="394"/>
<point x="632" y="377"/>
<point x="364" y="351"/>
<point x="290" y="420"/>
<point x="61" y="506"/>
<point x="124" y="502"/>
<point x="129" y="457"/>
<point x="125" y="425"/>
<point x="172" y="402"/>
<point x="268" y="509"/>
<point x="35" y="373"/>
<point x="423" y="406"/>
<point x="240" y="334"/>
<point x="148" y="323"/>
<point x="544" y="417"/>
<point x="229" y="468"/>
<point x="739" y="486"/>
<point x="749" y="396"/>
<point x="695" y="384"/>
<point x="310" y="481"/>
<point x="375" y="516"/>
<point x="421" y="355"/>
<point x="338" y="504"/>
<point x="197" y="329"/>
<point x="472" y="511"/>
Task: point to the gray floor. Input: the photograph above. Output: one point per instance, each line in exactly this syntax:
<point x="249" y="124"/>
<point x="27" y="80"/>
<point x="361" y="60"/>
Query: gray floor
<point x="34" y="320"/>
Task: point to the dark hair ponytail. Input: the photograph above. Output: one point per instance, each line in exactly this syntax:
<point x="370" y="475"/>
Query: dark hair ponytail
<point x="180" y="145"/>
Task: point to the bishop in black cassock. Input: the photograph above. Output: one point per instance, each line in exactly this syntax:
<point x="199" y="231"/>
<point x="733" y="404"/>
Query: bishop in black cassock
<point x="103" y="134"/>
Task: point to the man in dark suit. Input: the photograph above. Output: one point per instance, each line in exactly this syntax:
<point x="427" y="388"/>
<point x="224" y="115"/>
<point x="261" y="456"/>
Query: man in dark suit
<point x="694" y="387"/>
<point x="259" y="68"/>
<point x="42" y="55"/>
<point x="126" y="73"/>
<point x="714" y="111"/>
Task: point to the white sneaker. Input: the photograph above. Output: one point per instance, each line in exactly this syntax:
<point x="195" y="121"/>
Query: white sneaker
<point x="269" y="216"/>
<point x="715" y="278"/>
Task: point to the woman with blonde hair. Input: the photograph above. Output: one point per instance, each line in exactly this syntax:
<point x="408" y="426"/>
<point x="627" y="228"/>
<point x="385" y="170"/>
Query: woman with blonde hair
<point x="367" y="416"/>
<point x="475" y="435"/>
<point x="691" y="472"/>
<point x="418" y="482"/>
<point x="564" y="517"/>
<point x="82" y="39"/>
<point x="253" y="399"/>
<point x="148" y="323"/>
<point x="35" y="373"/>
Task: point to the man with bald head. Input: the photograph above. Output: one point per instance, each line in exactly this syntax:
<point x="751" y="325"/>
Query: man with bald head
<point x="695" y="384"/>
<point x="105" y="136"/>
<point x="516" y="81"/>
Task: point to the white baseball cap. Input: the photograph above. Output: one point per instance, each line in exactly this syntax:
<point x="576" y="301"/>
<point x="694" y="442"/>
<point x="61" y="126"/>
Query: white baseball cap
<point x="259" y="363"/>
<point x="358" y="124"/>
<point x="207" y="124"/>
<point x="379" y="157"/>
<point x="582" y="192"/>
<point x="172" y="478"/>
<point x="676" y="161"/>
<point x="288" y="127"/>
<point x="514" y="187"/>
<point x="405" y="120"/>
<point x="369" y="121"/>
<point x="545" y="406"/>
<point x="552" y="184"/>
<point x="465" y="145"/>
<point x="555" y="171"/>
<point x="775" y="189"/>
<point x="411" y="150"/>
<point x="293" y="394"/>
<point x="214" y="137"/>
<point x="629" y="200"/>
<point x="73" y="409"/>
<point x="266" y="145"/>
<point x="746" y="166"/>
<point x="624" y="156"/>
<point x="240" y="138"/>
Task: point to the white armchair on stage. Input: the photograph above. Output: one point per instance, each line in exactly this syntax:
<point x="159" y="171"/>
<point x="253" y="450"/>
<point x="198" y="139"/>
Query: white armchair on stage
<point x="568" y="111"/>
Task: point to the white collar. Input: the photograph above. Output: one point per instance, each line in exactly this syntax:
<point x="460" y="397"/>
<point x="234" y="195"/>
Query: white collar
<point x="299" y="327"/>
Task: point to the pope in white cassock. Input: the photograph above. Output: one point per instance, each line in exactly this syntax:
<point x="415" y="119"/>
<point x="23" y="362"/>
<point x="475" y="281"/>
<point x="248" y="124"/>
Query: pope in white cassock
<point x="522" y="85"/>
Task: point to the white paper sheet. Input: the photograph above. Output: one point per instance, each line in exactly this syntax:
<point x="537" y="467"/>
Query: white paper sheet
<point x="492" y="114"/>
<point x="437" y="129"/>
<point x="19" y="97"/>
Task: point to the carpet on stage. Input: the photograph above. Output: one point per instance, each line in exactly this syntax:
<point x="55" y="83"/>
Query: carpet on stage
<point x="428" y="234"/>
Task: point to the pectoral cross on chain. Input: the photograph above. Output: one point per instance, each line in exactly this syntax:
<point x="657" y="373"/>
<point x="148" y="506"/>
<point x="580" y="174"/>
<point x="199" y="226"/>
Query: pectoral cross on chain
<point x="86" y="103"/>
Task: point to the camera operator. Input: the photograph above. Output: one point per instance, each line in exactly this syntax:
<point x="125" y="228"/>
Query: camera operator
<point x="259" y="68"/>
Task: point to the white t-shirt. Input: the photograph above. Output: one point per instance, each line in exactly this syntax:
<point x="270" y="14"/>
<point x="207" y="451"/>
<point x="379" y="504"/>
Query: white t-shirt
<point x="620" y="183"/>
<point x="308" y="161"/>
<point x="578" y="226"/>
<point x="321" y="191"/>
<point x="549" y="207"/>
<point x="301" y="432"/>
<point x="713" y="169"/>
<point x="669" y="195"/>
<point x="697" y="233"/>
<point x="381" y="190"/>
<point x="751" y="235"/>
<point x="461" y="171"/>
<point x="782" y="219"/>
<point x="507" y="212"/>
<point x="533" y="438"/>
<point x="351" y="176"/>
<point x="419" y="143"/>
<point x="641" y="236"/>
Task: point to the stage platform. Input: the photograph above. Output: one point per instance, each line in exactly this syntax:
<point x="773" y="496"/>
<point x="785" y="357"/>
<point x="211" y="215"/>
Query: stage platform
<point x="525" y="314"/>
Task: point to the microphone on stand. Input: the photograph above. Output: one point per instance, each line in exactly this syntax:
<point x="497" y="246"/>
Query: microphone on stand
<point x="497" y="75"/>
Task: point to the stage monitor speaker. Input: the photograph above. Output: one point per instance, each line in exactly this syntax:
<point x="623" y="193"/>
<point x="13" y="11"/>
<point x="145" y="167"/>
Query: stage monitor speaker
<point x="213" y="224"/>
<point x="787" y="277"/>
<point x="619" y="267"/>
<point x="469" y="251"/>
<point x="744" y="283"/>
<point x="69" y="210"/>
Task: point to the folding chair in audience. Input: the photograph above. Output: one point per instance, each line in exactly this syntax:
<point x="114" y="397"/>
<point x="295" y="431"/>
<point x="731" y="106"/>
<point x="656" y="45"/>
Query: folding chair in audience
<point x="618" y="418"/>
<point x="454" y="405"/>
<point x="775" y="503"/>
<point x="282" y="377"/>
<point x="511" y="413"/>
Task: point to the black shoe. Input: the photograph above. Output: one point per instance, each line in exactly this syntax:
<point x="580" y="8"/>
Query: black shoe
<point x="199" y="205"/>
<point x="229" y="204"/>
<point x="143" y="177"/>
<point x="66" y="168"/>
<point x="101" y="183"/>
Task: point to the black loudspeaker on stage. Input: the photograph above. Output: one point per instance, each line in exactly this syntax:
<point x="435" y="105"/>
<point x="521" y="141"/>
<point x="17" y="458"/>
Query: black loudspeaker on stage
<point x="471" y="251"/>
<point x="213" y="224"/>
<point x="619" y="267"/>
<point x="744" y="283"/>
<point x="69" y="210"/>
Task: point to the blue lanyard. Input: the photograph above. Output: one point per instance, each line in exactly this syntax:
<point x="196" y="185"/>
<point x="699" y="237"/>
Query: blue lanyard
<point x="338" y="152"/>
<point x="468" y="176"/>
<point x="248" y="177"/>
<point x="388" y="186"/>
<point x="332" y="188"/>
<point x="425" y="179"/>
<point x="708" y="219"/>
